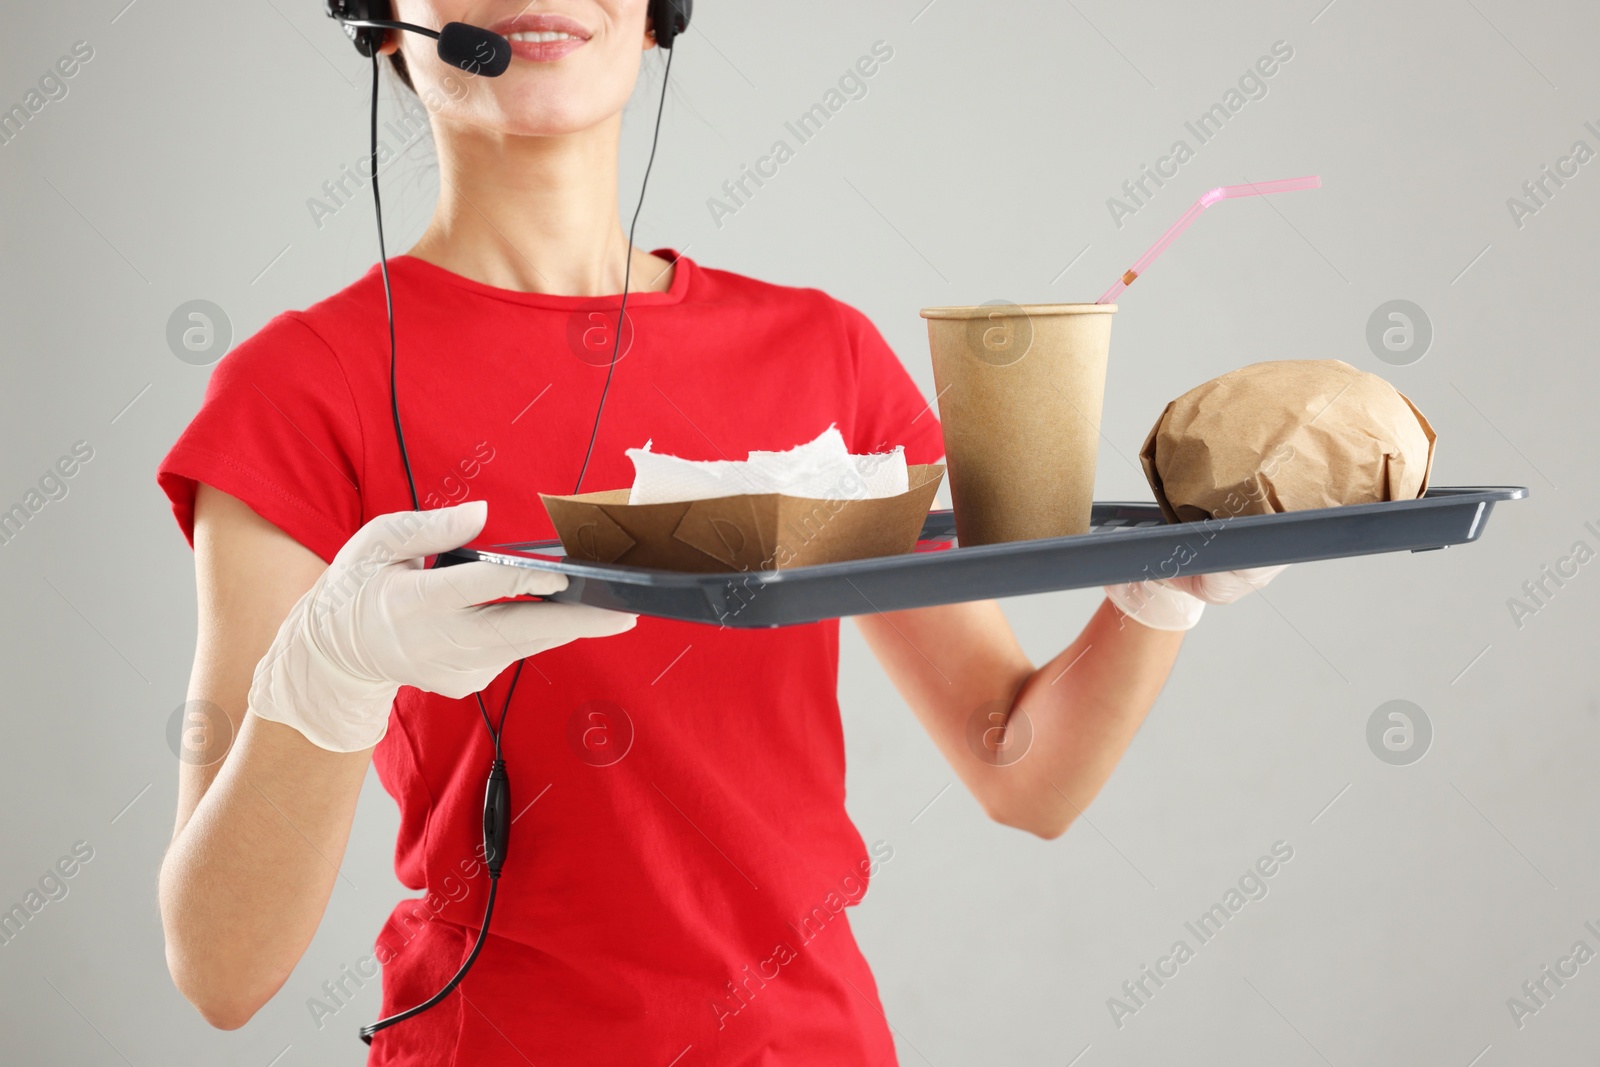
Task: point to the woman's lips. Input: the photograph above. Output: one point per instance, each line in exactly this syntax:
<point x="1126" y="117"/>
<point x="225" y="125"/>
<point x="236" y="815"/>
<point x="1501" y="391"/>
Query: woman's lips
<point x="545" y="51"/>
<point x="542" y="38"/>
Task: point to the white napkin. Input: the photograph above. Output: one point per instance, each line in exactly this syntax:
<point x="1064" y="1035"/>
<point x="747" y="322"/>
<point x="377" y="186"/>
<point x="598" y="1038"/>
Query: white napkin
<point x="822" y="469"/>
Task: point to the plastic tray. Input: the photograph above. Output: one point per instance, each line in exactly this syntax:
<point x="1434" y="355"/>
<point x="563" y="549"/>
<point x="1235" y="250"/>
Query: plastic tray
<point x="1128" y="542"/>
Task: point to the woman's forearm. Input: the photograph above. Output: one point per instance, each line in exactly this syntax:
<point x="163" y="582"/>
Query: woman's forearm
<point x="1082" y="709"/>
<point x="246" y="879"/>
<point x="1033" y="746"/>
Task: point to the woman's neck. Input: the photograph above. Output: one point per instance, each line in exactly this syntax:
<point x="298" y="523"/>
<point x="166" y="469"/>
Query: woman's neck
<point x="534" y="214"/>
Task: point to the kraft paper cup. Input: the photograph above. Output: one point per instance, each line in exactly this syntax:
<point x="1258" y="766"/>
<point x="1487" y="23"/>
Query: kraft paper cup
<point x="1019" y="390"/>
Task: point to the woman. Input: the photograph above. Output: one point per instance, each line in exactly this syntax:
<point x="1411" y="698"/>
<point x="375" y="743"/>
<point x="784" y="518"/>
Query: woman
<point x="681" y="901"/>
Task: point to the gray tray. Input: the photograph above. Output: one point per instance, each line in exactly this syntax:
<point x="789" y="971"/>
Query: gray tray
<point x="1128" y="542"/>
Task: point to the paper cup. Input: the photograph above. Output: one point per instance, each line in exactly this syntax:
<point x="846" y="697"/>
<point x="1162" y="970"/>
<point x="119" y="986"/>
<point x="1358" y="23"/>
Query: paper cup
<point x="1019" y="393"/>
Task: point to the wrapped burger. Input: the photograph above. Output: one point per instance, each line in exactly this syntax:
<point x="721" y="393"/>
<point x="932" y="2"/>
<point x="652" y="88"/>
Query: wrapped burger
<point x="1285" y="436"/>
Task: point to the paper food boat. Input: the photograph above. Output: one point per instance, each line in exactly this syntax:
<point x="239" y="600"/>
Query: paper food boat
<point x="747" y="532"/>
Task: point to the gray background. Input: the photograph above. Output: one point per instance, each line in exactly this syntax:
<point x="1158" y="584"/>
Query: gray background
<point x="1419" y="898"/>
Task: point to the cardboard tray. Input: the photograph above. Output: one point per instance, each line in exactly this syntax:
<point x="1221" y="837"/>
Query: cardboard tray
<point x="1127" y="542"/>
<point x="748" y="532"/>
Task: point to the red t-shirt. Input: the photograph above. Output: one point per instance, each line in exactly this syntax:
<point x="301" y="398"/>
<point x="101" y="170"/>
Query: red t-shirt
<point x="687" y="899"/>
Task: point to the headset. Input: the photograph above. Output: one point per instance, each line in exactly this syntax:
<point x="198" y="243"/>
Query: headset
<point x="367" y="23"/>
<point x="481" y="52"/>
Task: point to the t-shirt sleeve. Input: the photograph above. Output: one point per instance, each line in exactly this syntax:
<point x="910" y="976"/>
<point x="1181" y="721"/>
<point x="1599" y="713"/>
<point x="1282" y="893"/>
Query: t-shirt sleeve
<point x="890" y="409"/>
<point x="279" y="430"/>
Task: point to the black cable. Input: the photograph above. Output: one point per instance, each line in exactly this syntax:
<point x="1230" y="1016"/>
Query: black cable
<point x="497" y="818"/>
<point x="388" y="295"/>
<point x="494" y="858"/>
<point x="485" y="713"/>
<point x="495" y="732"/>
<point x="626" y="273"/>
<point x="371" y="1030"/>
<point x="368" y="1032"/>
<point x="506" y="707"/>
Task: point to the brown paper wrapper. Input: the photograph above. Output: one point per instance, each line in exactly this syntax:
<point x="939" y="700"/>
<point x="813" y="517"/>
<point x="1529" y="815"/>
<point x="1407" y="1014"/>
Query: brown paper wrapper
<point x="1285" y="436"/>
<point x="748" y="532"/>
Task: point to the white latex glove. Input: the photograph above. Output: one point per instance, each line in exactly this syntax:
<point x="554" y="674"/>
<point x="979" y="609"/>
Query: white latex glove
<point x="376" y="620"/>
<point x="1224" y="587"/>
<point x="1177" y="603"/>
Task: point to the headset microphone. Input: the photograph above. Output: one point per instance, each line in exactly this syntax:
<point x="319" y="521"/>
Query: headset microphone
<point x="472" y="48"/>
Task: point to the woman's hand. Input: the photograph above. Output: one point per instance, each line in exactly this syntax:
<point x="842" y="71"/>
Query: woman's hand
<point x="377" y="619"/>
<point x="1177" y="603"/>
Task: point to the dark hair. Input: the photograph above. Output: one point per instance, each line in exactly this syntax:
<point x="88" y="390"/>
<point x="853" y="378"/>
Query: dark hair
<point x="398" y="62"/>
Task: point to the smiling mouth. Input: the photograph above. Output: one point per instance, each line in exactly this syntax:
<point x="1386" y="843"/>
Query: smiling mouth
<point x="542" y="38"/>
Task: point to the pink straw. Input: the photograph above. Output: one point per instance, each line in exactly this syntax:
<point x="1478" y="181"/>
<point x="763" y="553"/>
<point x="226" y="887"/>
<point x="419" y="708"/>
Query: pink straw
<point x="1225" y="192"/>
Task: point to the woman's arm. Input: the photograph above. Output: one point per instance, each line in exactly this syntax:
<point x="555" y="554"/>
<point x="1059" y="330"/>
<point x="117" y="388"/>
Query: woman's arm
<point x="963" y="673"/>
<point x="259" y="842"/>
<point x="259" y="836"/>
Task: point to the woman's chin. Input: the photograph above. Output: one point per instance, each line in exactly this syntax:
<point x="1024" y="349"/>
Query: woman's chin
<point x="547" y="123"/>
